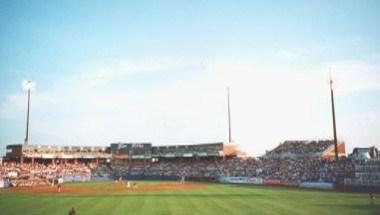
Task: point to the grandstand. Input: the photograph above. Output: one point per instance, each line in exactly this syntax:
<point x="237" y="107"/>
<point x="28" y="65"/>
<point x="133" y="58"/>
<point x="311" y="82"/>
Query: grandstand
<point x="49" y="153"/>
<point x="292" y="163"/>
<point x="116" y="152"/>
<point x="366" y="174"/>
<point x="311" y="148"/>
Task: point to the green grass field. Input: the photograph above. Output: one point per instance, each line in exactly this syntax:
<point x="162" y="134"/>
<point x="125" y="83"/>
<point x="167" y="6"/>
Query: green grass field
<point x="214" y="199"/>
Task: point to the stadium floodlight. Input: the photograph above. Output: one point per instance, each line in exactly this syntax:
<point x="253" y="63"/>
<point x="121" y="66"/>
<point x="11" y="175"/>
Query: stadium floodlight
<point x="229" y="116"/>
<point x="29" y="86"/>
<point x="333" y="117"/>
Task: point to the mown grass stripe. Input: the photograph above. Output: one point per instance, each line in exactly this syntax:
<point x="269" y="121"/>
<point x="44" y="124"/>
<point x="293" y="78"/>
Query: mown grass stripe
<point x="214" y="199"/>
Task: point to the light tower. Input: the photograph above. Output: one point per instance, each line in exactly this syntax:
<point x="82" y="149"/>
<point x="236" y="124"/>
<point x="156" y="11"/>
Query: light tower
<point x="333" y="116"/>
<point x="28" y="85"/>
<point x="229" y="116"/>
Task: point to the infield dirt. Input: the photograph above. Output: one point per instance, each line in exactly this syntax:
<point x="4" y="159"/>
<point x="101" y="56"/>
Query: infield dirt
<point x="108" y="188"/>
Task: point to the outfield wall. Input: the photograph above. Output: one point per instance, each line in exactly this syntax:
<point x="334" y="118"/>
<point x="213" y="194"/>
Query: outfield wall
<point x="275" y="182"/>
<point x="80" y="178"/>
<point x="153" y="177"/>
<point x="241" y="180"/>
<point x="76" y="178"/>
<point x="317" y="185"/>
<point x="257" y="181"/>
<point x="4" y="184"/>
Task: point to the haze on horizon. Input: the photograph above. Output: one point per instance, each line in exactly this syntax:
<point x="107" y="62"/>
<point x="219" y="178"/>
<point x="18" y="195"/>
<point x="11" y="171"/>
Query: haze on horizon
<point x="157" y="72"/>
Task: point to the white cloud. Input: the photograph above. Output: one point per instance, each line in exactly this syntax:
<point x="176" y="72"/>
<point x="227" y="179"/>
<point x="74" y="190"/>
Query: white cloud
<point x="287" y="55"/>
<point x="356" y="75"/>
<point x="268" y="104"/>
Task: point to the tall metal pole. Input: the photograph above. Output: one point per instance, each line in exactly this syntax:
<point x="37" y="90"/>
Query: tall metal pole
<point x="229" y="116"/>
<point x="333" y="116"/>
<point x="27" y="120"/>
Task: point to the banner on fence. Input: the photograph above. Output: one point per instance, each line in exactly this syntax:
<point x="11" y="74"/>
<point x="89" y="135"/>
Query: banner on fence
<point x="289" y="183"/>
<point x="272" y="182"/>
<point x="241" y="180"/>
<point x="319" y="185"/>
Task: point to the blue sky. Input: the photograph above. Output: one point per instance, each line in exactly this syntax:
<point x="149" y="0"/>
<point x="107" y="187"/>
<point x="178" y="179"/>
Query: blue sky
<point x="157" y="71"/>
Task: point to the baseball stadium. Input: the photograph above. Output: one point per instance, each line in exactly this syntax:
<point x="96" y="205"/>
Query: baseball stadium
<point x="296" y="177"/>
<point x="131" y="116"/>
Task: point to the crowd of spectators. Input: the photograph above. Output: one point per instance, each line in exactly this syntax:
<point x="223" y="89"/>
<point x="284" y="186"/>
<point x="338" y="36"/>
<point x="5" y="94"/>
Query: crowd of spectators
<point x="301" y="147"/>
<point x="289" y="169"/>
<point x="200" y="167"/>
<point x="181" y="150"/>
<point x="293" y="168"/>
<point x="367" y="172"/>
<point x="28" y="174"/>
